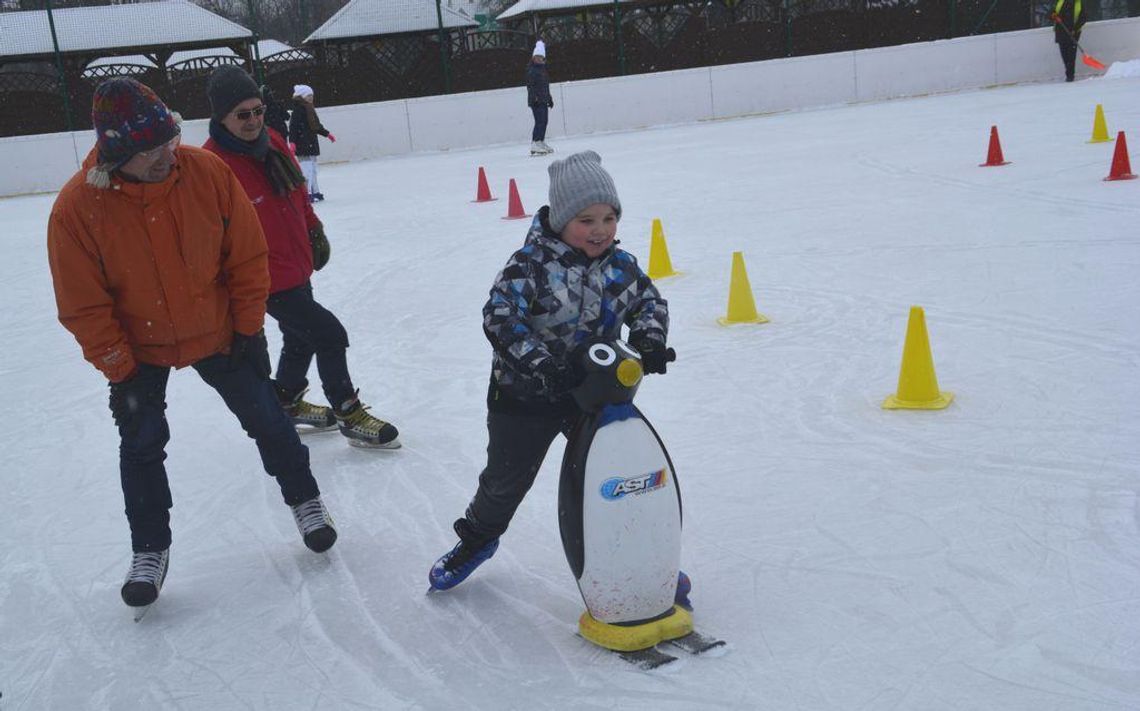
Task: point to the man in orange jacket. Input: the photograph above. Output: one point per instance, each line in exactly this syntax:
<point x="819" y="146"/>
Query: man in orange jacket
<point x="158" y="261"/>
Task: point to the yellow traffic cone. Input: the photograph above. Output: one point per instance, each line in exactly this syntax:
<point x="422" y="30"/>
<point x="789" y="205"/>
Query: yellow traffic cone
<point x="1100" y="128"/>
<point x="741" y="305"/>
<point x="659" y="264"/>
<point x="918" y="386"/>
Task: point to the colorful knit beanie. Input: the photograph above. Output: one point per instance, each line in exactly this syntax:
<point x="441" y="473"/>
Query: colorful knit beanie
<point x="129" y="118"/>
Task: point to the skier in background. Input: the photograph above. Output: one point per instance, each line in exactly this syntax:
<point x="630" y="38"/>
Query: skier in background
<point x="276" y="115"/>
<point x="304" y="127"/>
<point x="539" y="99"/>
<point x="158" y="262"/>
<point x="534" y="322"/>
<point x="1068" y="21"/>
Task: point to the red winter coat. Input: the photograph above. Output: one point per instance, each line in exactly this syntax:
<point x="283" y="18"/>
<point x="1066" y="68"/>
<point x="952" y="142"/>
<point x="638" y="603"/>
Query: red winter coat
<point x="285" y="220"/>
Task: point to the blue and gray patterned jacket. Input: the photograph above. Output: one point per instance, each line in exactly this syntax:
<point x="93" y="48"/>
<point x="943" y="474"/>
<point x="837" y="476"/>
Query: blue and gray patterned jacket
<point x="550" y="297"/>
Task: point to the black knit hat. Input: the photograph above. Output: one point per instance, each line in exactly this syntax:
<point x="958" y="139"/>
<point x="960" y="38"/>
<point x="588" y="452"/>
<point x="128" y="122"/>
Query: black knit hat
<point x="230" y="85"/>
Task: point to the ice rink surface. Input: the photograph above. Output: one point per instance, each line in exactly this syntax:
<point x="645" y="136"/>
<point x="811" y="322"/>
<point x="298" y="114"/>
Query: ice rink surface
<point x="986" y="556"/>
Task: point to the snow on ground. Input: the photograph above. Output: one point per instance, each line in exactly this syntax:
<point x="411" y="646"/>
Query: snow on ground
<point x="986" y="556"/>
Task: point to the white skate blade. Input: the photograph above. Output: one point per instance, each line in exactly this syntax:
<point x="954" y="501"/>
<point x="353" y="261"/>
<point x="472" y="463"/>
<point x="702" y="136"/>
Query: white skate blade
<point x="309" y="429"/>
<point x="394" y="444"/>
<point x="140" y="612"/>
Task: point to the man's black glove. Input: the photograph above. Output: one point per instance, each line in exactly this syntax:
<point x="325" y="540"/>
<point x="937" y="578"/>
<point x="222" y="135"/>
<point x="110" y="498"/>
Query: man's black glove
<point x="559" y="377"/>
<point x="655" y="357"/>
<point x="127" y="398"/>
<point x="320" y="244"/>
<point x="254" y="349"/>
<point x="550" y="103"/>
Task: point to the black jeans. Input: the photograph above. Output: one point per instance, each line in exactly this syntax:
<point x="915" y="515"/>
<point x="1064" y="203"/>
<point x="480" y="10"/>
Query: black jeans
<point x="541" y="116"/>
<point x="310" y="329"/>
<point x="1068" y="55"/>
<point x="517" y="444"/>
<point x="142" y="448"/>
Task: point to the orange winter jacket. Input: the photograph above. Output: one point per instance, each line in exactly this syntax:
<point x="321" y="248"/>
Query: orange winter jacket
<point x="159" y="273"/>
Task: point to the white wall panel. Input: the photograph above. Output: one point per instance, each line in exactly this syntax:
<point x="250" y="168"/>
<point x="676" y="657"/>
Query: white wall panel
<point x="782" y="84"/>
<point x="927" y="68"/>
<point x="37" y="164"/>
<point x="1030" y="55"/>
<point x="637" y="101"/>
<point x="475" y="119"/>
<point x="365" y="131"/>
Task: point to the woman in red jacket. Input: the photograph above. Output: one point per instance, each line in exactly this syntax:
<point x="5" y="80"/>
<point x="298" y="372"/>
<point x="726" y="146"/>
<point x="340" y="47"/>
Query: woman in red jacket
<point x="297" y="246"/>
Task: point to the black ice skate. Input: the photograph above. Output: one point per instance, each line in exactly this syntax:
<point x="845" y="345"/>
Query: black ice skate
<point x="315" y="525"/>
<point x="306" y="416"/>
<point x="144" y="580"/>
<point x="364" y="430"/>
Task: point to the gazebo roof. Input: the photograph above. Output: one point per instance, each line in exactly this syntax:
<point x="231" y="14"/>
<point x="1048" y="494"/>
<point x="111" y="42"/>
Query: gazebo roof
<point x="86" y="29"/>
<point x="523" y="7"/>
<point x="369" y="18"/>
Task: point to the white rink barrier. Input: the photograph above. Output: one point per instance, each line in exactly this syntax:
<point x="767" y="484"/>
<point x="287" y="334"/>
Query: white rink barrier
<point x="43" y="163"/>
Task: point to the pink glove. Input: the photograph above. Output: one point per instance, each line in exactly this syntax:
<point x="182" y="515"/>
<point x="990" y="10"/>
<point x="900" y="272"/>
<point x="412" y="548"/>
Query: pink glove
<point x="293" y="148"/>
<point x="332" y="138"/>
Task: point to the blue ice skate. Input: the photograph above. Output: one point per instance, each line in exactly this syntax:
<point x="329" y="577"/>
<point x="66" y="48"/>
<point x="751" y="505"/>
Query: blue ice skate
<point x="458" y="563"/>
<point x="684" y="587"/>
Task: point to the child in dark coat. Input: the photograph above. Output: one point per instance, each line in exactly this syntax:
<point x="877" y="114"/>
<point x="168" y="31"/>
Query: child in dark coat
<point x="304" y="127"/>
<point x="569" y="283"/>
<point x="538" y="98"/>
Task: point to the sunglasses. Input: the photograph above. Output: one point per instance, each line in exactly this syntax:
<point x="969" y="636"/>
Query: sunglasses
<point x="154" y="153"/>
<point x="249" y="113"/>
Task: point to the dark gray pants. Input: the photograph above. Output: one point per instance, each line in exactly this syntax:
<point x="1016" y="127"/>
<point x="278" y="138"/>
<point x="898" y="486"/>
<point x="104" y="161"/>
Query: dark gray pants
<point x="517" y="444"/>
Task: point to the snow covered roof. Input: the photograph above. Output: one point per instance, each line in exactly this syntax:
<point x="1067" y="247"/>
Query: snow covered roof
<point x="524" y="6"/>
<point x="80" y="29"/>
<point x="368" y="18"/>
<point x="265" y="48"/>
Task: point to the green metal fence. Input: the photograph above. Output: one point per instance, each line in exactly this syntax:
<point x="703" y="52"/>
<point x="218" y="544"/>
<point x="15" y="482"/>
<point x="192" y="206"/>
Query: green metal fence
<point x="54" y="52"/>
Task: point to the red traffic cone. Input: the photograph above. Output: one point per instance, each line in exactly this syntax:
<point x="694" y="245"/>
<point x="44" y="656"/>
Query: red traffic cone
<point x="515" y="209"/>
<point x="994" y="157"/>
<point x="1121" y="169"/>
<point x="483" y="192"/>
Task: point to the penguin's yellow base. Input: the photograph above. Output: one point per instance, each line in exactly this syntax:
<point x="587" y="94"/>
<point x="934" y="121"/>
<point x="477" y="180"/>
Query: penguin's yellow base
<point x="629" y="638"/>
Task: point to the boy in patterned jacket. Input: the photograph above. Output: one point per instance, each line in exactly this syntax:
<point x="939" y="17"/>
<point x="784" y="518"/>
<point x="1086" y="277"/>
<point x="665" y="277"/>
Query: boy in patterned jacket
<point x="568" y="284"/>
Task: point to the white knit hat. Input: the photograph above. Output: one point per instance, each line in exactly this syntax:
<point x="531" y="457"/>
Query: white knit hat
<point x="302" y="90"/>
<point x="539" y="49"/>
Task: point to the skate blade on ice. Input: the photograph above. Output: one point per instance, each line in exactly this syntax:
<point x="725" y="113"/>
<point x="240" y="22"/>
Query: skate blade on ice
<point x="696" y="643"/>
<point x="310" y="429"/>
<point x="394" y="444"/>
<point x="140" y="612"/>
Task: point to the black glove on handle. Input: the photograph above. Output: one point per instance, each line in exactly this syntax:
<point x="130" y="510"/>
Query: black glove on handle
<point x="254" y="349"/>
<point x="321" y="248"/>
<point x="559" y="377"/>
<point x="655" y="357"/>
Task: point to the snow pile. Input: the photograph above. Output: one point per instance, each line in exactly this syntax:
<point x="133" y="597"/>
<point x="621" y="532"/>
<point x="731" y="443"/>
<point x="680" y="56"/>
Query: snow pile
<point x="1123" y="70"/>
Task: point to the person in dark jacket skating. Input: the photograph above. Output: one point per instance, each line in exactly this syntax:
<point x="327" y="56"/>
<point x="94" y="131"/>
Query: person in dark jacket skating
<point x="276" y="115"/>
<point x="1068" y="21"/>
<point x="297" y="246"/>
<point x="539" y="99"/>
<point x="568" y="283"/>
<point x="304" y="127"/>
